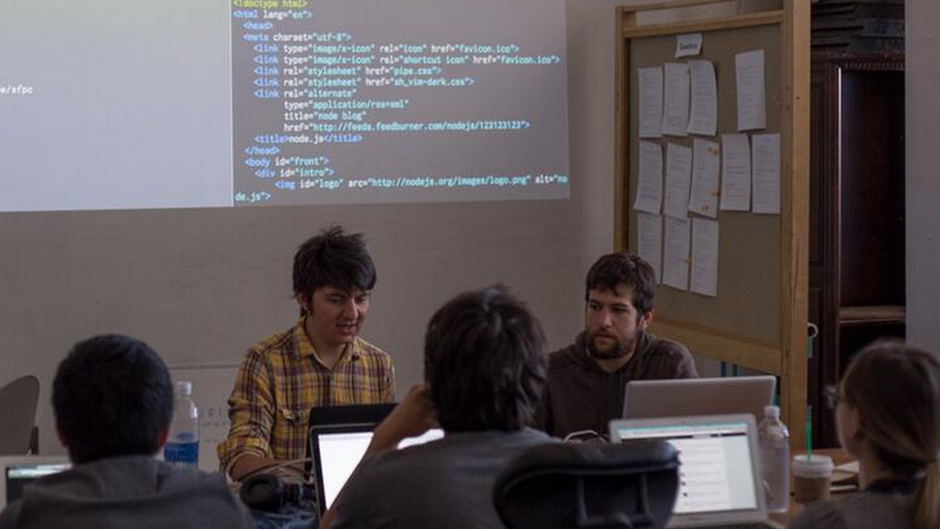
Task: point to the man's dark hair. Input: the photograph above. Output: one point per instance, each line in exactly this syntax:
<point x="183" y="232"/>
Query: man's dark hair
<point x="333" y="258"/>
<point x="112" y="396"/>
<point x="624" y="269"/>
<point x="483" y="361"/>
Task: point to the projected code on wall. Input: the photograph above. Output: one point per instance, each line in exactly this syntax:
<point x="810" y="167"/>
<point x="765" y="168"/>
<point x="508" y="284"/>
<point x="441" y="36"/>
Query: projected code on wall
<point x="358" y="101"/>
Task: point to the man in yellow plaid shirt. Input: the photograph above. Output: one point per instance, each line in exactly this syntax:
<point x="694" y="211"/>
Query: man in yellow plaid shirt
<point x="320" y="361"/>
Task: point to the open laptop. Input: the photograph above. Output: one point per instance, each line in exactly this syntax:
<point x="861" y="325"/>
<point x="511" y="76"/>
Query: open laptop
<point x="719" y="482"/>
<point x="698" y="396"/>
<point x="19" y="471"/>
<point x="337" y="450"/>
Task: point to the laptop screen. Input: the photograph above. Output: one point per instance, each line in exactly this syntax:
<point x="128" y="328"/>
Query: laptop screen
<point x="716" y="470"/>
<point x="18" y="475"/>
<point x="685" y="397"/>
<point x="338" y="453"/>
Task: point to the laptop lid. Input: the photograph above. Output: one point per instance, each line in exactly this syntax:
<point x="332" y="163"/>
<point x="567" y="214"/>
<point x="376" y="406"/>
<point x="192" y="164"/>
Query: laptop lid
<point x="698" y="396"/>
<point x="361" y="416"/>
<point x="718" y="472"/>
<point x="337" y="451"/>
<point x="19" y="471"/>
<point x="349" y="414"/>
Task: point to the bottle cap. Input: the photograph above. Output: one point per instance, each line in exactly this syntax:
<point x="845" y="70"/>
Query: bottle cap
<point x="183" y="388"/>
<point x="772" y="411"/>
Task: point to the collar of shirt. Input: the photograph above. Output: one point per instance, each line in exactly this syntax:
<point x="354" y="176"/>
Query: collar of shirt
<point x="902" y="486"/>
<point x="304" y="347"/>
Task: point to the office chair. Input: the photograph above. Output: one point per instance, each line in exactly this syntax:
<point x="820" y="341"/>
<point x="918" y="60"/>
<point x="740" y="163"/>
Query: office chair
<point x="18" y="401"/>
<point x="589" y="486"/>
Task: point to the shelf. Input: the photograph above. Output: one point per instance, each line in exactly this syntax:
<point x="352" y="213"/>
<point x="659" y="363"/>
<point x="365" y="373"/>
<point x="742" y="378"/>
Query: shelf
<point x="866" y="315"/>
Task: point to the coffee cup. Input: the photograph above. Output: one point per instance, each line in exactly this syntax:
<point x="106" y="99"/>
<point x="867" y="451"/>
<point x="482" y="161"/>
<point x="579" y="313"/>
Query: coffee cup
<point x="812" y="477"/>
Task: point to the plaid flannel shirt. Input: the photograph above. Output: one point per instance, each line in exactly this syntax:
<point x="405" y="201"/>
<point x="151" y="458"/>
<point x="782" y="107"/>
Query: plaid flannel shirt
<point x="281" y="378"/>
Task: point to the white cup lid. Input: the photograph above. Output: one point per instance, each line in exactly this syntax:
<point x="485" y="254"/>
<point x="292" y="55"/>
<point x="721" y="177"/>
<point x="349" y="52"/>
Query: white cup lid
<point x="819" y="466"/>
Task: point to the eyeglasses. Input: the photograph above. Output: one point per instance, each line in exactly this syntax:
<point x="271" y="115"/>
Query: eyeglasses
<point x="831" y="394"/>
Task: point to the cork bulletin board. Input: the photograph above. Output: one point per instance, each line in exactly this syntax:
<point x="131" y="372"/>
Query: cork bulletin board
<point x="757" y="319"/>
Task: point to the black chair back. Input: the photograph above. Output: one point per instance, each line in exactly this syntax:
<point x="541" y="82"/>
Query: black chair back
<point x="589" y="486"/>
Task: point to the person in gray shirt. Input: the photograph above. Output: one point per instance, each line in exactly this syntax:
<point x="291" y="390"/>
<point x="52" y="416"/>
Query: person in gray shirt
<point x="587" y="379"/>
<point x="113" y="403"/>
<point x="887" y="416"/>
<point x="484" y="370"/>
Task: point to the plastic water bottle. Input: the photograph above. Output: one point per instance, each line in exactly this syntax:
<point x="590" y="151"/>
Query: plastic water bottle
<point x="774" y="440"/>
<point x="182" y="445"/>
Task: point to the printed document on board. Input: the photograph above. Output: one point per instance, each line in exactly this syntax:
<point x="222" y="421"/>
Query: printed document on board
<point x="766" y="167"/>
<point x="752" y="104"/>
<point x="676" y="104"/>
<point x="650" y="241"/>
<point x="706" y="162"/>
<point x="651" y="102"/>
<point x="678" y="179"/>
<point x="649" y="188"/>
<point x="735" y="172"/>
<point x="705" y="257"/>
<point x="676" y="253"/>
<point x="703" y="117"/>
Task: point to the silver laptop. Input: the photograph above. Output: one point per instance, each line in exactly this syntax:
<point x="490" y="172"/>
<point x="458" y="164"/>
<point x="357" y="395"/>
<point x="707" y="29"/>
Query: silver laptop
<point x="337" y="451"/>
<point x="698" y="396"/>
<point x="19" y="471"/>
<point x="718" y="471"/>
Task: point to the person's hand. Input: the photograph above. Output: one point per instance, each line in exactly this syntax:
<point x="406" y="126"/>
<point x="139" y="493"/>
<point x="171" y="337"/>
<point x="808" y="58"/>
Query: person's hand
<point x="413" y="416"/>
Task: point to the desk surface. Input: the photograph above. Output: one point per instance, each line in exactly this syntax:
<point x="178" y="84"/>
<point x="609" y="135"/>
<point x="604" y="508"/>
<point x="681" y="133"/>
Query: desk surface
<point x="839" y="457"/>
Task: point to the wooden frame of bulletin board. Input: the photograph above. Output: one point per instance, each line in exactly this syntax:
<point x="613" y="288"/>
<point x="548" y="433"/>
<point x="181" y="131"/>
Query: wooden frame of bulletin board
<point x="758" y="320"/>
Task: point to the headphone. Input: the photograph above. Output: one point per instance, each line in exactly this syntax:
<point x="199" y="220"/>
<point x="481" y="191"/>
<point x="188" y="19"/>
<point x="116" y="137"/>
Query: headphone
<point x="267" y="492"/>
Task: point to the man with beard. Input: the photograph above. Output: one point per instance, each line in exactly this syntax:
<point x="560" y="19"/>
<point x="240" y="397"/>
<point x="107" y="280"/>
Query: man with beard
<point x="586" y="380"/>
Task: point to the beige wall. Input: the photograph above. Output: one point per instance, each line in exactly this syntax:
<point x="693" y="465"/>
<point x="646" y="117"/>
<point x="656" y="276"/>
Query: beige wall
<point x="201" y="285"/>
<point x="922" y="99"/>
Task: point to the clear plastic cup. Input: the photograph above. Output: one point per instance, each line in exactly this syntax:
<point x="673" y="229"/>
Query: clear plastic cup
<point x="812" y="477"/>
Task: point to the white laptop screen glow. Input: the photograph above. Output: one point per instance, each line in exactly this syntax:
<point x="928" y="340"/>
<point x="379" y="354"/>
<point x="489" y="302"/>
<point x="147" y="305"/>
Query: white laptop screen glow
<point x="340" y="453"/>
<point x="19" y="475"/>
<point x="715" y="467"/>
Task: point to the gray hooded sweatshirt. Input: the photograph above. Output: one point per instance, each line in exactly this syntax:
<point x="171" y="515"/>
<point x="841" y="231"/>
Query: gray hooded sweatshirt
<point x="136" y="492"/>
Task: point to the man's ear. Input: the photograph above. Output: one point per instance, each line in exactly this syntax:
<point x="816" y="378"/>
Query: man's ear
<point x="647" y="319"/>
<point x="304" y="302"/>
<point x="163" y="436"/>
<point x="61" y="436"/>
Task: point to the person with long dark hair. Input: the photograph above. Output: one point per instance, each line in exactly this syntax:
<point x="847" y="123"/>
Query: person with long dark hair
<point x="888" y="416"/>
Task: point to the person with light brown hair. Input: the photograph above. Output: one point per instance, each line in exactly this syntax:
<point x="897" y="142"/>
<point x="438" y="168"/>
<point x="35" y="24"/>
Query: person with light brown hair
<point x="888" y="416"/>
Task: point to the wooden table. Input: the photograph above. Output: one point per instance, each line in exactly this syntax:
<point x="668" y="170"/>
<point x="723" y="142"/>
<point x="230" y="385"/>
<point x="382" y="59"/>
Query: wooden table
<point x="839" y="457"/>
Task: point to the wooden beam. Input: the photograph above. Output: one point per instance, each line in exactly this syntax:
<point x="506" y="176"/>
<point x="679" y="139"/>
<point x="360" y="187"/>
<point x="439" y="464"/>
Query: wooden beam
<point x="767" y="18"/>
<point x="723" y="346"/>
<point x="676" y="4"/>
<point x="621" y="133"/>
<point x="794" y="240"/>
<point x="787" y="357"/>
